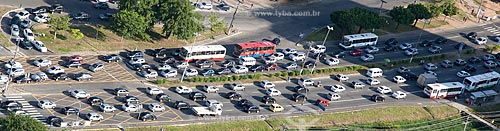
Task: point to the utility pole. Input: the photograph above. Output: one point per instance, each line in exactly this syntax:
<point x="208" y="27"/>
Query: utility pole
<point x="381" y="4"/>
<point x="189" y="54"/>
<point x="324" y="41"/>
<point x="9" y="77"/>
<point x="232" y="19"/>
<point x="479" y="11"/>
<point x="423" y="27"/>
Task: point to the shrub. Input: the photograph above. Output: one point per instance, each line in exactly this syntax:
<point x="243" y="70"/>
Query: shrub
<point x="292" y="73"/>
<point x="284" y="74"/>
<point x="161" y="81"/>
<point x="77" y="34"/>
<point x="305" y="72"/>
<point x="278" y="74"/>
<point x="270" y="75"/>
<point x="244" y="77"/>
<point x="258" y="76"/>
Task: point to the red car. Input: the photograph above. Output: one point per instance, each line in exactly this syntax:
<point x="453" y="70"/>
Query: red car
<point x="322" y="102"/>
<point x="76" y="58"/>
<point x="356" y="52"/>
<point x="271" y="66"/>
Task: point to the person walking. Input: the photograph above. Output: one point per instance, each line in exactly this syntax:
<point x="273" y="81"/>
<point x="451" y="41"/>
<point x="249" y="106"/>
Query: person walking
<point x="251" y="6"/>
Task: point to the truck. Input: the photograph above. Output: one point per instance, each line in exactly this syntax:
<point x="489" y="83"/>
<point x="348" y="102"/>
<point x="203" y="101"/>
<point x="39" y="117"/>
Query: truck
<point x="213" y="110"/>
<point x="424" y="79"/>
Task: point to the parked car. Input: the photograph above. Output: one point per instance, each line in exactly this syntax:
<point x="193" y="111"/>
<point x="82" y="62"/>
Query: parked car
<point x="15" y="71"/>
<point x="95" y="101"/>
<point x="447" y="64"/>
<point x="399" y="79"/>
<point x="430" y="66"/>
<point x="267" y="84"/>
<point x="460" y="62"/>
<point x="94" y="117"/>
<point x="289" y="51"/>
<point x="481" y="40"/>
<point x="40" y="46"/>
<point x="183" y="90"/>
<point x="83" y="76"/>
<point x="372" y="81"/>
<point x="228" y="63"/>
<point x="79" y="93"/>
<point x="204" y="5"/>
<point x="332" y="61"/>
<point x="162" y="97"/>
<point x="411" y="52"/>
<point x="356" y="52"/>
<point x="470" y="68"/>
<point x="121" y="92"/>
<point x="239" y="69"/>
<point x="490" y="64"/>
<point x="405" y="46"/>
<point x="23" y="14"/>
<point x="237" y="87"/>
<point x="290" y="66"/>
<point x="128" y="107"/>
<point x="155" y="107"/>
<point x="435" y="49"/>
<point x="61" y="75"/>
<point x="133" y="54"/>
<point x="169" y="73"/>
<point x="384" y="89"/>
<point x="101" y="5"/>
<point x="276" y="108"/>
<point x="153" y="90"/>
<point x="425" y="43"/>
<point x="14" y="30"/>
<point x="268" y="99"/>
<point x="271" y="66"/>
<point x="205" y="63"/>
<point x="80" y="16"/>
<point x="181" y="105"/>
<point x="211" y="88"/>
<point x="299" y="97"/>
<point x="96" y="67"/>
<point x="471" y="35"/>
<point x="71" y="110"/>
<point x="107" y="108"/>
<point x="44" y="104"/>
<point x="223" y="71"/>
<point x="474" y="59"/>
<point x="399" y="95"/>
<point x="463" y="74"/>
<point x="29" y="35"/>
<point x="42" y="18"/>
<point x="112" y="58"/>
<point x="341" y="77"/>
<point x="26" y="44"/>
<point x="105" y="16"/>
<point x="367" y="57"/>
<point x="191" y="72"/>
<point x="489" y="57"/>
<point x="233" y="96"/>
<point x="372" y="50"/>
<point x="377" y="98"/>
<point x="148" y="73"/>
<point x="223" y="7"/>
<point x="256" y="68"/>
<point x="42" y="62"/>
<point x="273" y="92"/>
<point x="337" y="88"/>
<point x="299" y="56"/>
<point x="70" y="64"/>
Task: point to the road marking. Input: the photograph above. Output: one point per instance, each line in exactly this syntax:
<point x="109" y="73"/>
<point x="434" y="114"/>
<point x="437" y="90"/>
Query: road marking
<point x="228" y="110"/>
<point x="494" y="29"/>
<point x="349" y="100"/>
<point x="255" y="92"/>
<point x="110" y="75"/>
<point x="128" y="72"/>
<point x="105" y="119"/>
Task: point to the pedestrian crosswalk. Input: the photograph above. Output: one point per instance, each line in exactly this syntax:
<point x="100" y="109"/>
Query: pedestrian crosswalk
<point x="492" y="29"/>
<point x="29" y="109"/>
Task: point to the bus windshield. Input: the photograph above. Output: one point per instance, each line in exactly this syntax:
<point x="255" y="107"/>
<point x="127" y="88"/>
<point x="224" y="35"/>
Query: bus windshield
<point x="346" y="42"/>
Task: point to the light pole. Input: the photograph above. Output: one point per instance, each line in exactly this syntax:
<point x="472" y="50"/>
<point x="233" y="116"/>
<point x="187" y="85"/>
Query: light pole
<point x="189" y="54"/>
<point x="232" y="19"/>
<point x="324" y="41"/>
<point x="12" y="66"/>
<point x="423" y="27"/>
<point x="479" y="11"/>
<point x="382" y="2"/>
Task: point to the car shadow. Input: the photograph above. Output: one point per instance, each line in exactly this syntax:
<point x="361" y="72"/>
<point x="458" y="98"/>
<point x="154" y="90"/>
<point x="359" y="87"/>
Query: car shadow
<point x="110" y="91"/>
<point x="288" y="96"/>
<point x="258" y="98"/>
<point x="223" y="94"/>
<point x="367" y="97"/>
<point x="323" y="95"/>
<point x="256" y="83"/>
<point x="263" y="91"/>
<point x="200" y="88"/>
<point x="328" y="87"/>
<point x="291" y="88"/>
<point x="86" y="66"/>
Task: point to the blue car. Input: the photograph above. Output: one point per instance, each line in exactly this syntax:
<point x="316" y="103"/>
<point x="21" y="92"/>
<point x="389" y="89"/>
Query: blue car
<point x="207" y="72"/>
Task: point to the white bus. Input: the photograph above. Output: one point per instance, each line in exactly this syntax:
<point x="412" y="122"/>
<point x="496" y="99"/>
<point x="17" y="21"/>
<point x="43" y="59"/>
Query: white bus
<point x="478" y="82"/>
<point x="443" y="90"/>
<point x="194" y="53"/>
<point x="358" y="40"/>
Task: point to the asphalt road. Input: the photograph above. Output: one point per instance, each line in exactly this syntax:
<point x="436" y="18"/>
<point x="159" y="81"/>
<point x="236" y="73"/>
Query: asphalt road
<point x="352" y="99"/>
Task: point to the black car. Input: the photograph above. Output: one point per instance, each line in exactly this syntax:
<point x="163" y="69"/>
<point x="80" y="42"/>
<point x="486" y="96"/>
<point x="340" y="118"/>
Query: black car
<point x="409" y="75"/>
<point x="339" y="54"/>
<point x="223" y="71"/>
<point x="197" y="96"/>
<point x="233" y="95"/>
<point x="25" y="23"/>
<point x="390" y="48"/>
<point x="425" y="43"/>
<point x="252" y="109"/>
<point x="440" y="40"/>
<point x="70" y="110"/>
<point x="299" y="97"/>
<point x="40" y="10"/>
<point x="162" y="97"/>
<point x="106" y="16"/>
<point x="60" y="76"/>
<point x="309" y="64"/>
<point x="22" y="79"/>
<point x="181" y="105"/>
<point x="132" y="54"/>
<point x="80" y="16"/>
<point x="300" y="89"/>
<point x="377" y="98"/>
<point x="146" y="116"/>
<point x="70" y="64"/>
<point x="54" y="121"/>
<point x="26" y="44"/>
<point x="245" y="102"/>
<point x="140" y="67"/>
<point x="112" y="57"/>
<point x="228" y="63"/>
<point x="160" y="52"/>
<point x="322" y="56"/>
<point x="223" y="7"/>
<point x="474" y="59"/>
<point x="470" y="68"/>
<point x="166" y="60"/>
<point x="101" y="5"/>
<point x="95" y="101"/>
<point x="472" y="35"/>
<point x="15" y="20"/>
<point x="205" y="63"/>
<point x="56" y="8"/>
<point x="11" y="105"/>
<point x="391" y="41"/>
<point x="268" y="99"/>
<point x="256" y="68"/>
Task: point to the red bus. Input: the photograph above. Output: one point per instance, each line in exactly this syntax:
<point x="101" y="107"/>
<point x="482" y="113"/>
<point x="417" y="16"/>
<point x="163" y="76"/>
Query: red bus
<point x="254" y="49"/>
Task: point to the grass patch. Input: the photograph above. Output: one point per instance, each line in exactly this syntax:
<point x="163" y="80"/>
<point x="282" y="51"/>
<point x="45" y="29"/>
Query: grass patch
<point x="434" y="23"/>
<point x="319" y="35"/>
<point x="257" y="125"/>
<point x="4" y="39"/>
<point x="489" y="108"/>
<point x="390" y="26"/>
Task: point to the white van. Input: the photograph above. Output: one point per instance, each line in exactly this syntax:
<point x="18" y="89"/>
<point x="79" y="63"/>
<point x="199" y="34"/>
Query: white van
<point x="247" y="61"/>
<point x="374" y="72"/>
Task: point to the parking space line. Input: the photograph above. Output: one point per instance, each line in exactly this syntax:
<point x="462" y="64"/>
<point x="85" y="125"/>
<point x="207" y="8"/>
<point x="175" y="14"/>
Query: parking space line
<point x="128" y="72"/>
<point x="105" y="119"/>
<point x="110" y="75"/>
<point x="174" y="112"/>
<point x="41" y="97"/>
<point x="126" y="120"/>
<point x="38" y="99"/>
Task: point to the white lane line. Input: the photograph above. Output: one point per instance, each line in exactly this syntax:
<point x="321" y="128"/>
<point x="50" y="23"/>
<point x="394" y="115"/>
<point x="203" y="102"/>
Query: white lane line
<point x="489" y="27"/>
<point x="8" y="97"/>
<point x="454" y="36"/>
<point x="110" y="75"/>
<point x="255" y="92"/>
<point x="483" y="24"/>
<point x="228" y="110"/>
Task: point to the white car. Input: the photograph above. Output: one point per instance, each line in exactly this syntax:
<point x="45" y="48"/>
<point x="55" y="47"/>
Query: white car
<point x="23" y="14"/>
<point x="305" y="82"/>
<point x="333" y="96"/>
<point x="237" y="87"/>
<point x="15" y="71"/>
<point x="481" y="40"/>
<point x="155" y="107"/>
<point x="205" y="5"/>
<point x="269" y="60"/>
<point x="332" y="61"/>
<point x="337" y="88"/>
<point x="213" y="103"/>
<point x="130" y="107"/>
<point x="96" y="67"/>
<point x="405" y="46"/>
<point x="372" y="81"/>
<point x="29" y="34"/>
<point x="14" y="30"/>
<point x="40" y="46"/>
<point x="411" y="51"/>
<point x="289" y="51"/>
<point x="183" y="90"/>
<point x="13" y="64"/>
<point x="239" y="69"/>
<point x="169" y="73"/>
<point x="430" y="66"/>
<point x="367" y="57"/>
<point x="136" y="60"/>
<point x="44" y="104"/>
<point x="278" y="56"/>
<point x="55" y="70"/>
<point x="162" y="67"/>
<point x="463" y="74"/>
<point x="318" y="48"/>
<point x="372" y="50"/>
<point x="42" y="18"/>
<point x="431" y="73"/>
<point x="342" y="77"/>
<point x="384" y="90"/>
<point x="153" y="90"/>
<point x="79" y="93"/>
<point x="42" y="76"/>
<point x="273" y="92"/>
<point x="4" y="79"/>
<point x="181" y="65"/>
<point x="299" y="56"/>
<point x="399" y="95"/>
<point x="94" y="117"/>
<point x="191" y="72"/>
<point x="107" y="108"/>
<point x="149" y="73"/>
<point x="42" y="62"/>
<point x="211" y="88"/>
<point x="267" y="84"/>
<point x="399" y="79"/>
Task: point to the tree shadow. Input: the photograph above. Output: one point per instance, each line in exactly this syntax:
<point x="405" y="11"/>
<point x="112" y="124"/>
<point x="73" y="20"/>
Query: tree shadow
<point x="91" y="31"/>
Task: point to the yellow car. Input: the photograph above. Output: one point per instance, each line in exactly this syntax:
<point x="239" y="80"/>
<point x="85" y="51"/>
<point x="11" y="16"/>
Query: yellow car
<point x="276" y="108"/>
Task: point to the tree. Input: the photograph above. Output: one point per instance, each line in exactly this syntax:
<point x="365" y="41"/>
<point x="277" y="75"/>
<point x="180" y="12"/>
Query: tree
<point x="146" y="8"/>
<point x="366" y="19"/>
<point x="401" y="15"/>
<point x="449" y="9"/>
<point x="216" y="24"/>
<point x="179" y="19"/>
<point x="15" y="122"/>
<point x="58" y="23"/>
<point x="343" y="21"/>
<point x="130" y="24"/>
<point x="420" y="12"/>
<point x="435" y="10"/>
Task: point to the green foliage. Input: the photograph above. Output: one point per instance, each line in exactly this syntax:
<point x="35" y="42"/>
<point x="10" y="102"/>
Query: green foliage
<point x="271" y="75"/>
<point x="77" y="34"/>
<point x="148" y="9"/>
<point x="343" y="20"/>
<point x="161" y="81"/>
<point x="346" y="20"/>
<point x="402" y="15"/>
<point x="21" y="123"/>
<point x="284" y="74"/>
<point x="216" y="24"/>
<point x="130" y="24"/>
<point x="58" y="23"/>
<point x="449" y="9"/>
<point x="179" y="19"/>
<point x="435" y="10"/>
<point x="420" y="12"/>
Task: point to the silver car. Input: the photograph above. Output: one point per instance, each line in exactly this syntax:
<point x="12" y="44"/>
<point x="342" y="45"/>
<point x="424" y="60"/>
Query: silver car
<point x="96" y="67"/>
<point x="42" y="62"/>
<point x="367" y="57"/>
<point x="14" y="30"/>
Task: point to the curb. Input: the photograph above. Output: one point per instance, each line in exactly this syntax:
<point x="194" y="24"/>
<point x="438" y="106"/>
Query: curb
<point x="4" y="33"/>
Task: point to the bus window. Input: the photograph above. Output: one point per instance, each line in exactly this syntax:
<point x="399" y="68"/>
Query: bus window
<point x="444" y="90"/>
<point x="494" y="80"/>
<point x="454" y="89"/>
<point x="434" y="91"/>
